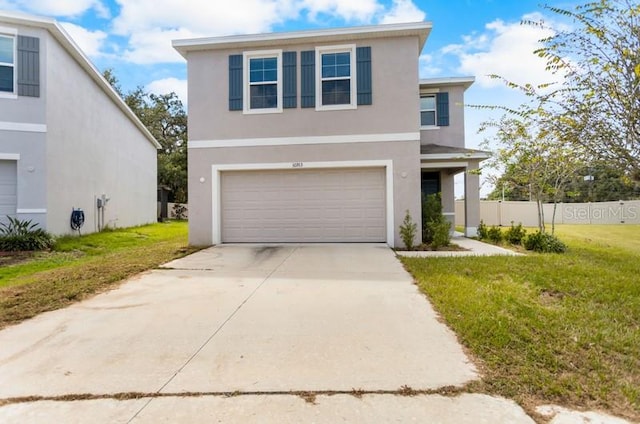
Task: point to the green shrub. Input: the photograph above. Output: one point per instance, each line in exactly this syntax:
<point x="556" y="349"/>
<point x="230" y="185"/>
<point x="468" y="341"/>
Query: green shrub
<point x="408" y="231"/>
<point x="179" y="211"/>
<point x="515" y="234"/>
<point x="431" y="212"/>
<point x="17" y="235"/>
<point x="544" y="243"/>
<point x="440" y="231"/>
<point x="483" y="231"/>
<point x="494" y="234"/>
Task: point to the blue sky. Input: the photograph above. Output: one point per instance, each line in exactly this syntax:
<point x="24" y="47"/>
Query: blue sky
<point x="469" y="37"/>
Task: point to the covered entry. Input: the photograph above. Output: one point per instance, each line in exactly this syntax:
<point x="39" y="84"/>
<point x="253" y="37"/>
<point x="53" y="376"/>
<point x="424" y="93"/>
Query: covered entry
<point x="303" y="205"/>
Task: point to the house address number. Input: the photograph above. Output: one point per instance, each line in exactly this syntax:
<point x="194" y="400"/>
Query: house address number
<point x="297" y="164"/>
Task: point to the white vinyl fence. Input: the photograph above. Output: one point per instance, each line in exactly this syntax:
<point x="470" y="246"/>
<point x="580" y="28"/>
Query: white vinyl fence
<point x="503" y="213"/>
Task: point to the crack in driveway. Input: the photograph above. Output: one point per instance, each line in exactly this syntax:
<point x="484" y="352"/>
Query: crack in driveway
<point x="449" y="391"/>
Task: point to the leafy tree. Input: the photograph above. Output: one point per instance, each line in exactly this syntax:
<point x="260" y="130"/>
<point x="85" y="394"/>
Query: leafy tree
<point x="608" y="183"/>
<point x="165" y="117"/>
<point x="596" y="106"/>
<point x="536" y="158"/>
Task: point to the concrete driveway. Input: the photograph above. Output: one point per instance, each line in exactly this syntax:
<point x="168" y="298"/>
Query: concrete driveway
<point x="228" y="333"/>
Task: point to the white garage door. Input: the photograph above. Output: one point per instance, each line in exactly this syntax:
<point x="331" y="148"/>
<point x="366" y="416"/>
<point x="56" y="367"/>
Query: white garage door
<point x="321" y="205"/>
<point x="8" y="188"/>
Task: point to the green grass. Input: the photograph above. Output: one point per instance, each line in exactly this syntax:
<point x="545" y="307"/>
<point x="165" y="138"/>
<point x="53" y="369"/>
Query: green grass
<point x="561" y="328"/>
<point x="82" y="266"/>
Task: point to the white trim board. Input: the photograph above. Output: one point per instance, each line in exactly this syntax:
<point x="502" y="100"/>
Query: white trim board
<point x="9" y="156"/>
<point x="22" y="127"/>
<point x="34" y="211"/>
<point x="436" y="165"/>
<point x="284" y="141"/>
<point x="454" y="156"/>
<point x="216" y="207"/>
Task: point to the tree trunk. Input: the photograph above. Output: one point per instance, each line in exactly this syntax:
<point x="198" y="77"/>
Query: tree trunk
<point x="540" y="215"/>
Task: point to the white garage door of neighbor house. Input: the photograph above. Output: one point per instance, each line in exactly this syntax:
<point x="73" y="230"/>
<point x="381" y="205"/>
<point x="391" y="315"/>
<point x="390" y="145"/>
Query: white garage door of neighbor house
<point x="8" y="188"/>
<point x="317" y="205"/>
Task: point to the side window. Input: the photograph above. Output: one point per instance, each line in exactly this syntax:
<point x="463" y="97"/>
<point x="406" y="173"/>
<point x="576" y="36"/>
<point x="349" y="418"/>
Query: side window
<point x="434" y="110"/>
<point x="263" y="82"/>
<point x="428" y="110"/>
<point x="7" y="64"/>
<point x="336" y="86"/>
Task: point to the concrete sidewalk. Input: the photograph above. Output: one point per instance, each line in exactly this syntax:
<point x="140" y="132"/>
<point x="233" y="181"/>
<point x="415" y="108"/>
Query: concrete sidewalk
<point x="474" y="248"/>
<point x="248" y="334"/>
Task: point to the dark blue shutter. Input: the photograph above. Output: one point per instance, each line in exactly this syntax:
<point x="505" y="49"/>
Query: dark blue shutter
<point x="28" y="64"/>
<point x="289" y="80"/>
<point x="363" y="65"/>
<point x="442" y="109"/>
<point x="235" y="82"/>
<point x="308" y="79"/>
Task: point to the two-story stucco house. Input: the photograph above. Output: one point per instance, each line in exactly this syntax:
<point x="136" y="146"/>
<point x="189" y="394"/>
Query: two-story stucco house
<point x="320" y="136"/>
<point x="67" y="140"/>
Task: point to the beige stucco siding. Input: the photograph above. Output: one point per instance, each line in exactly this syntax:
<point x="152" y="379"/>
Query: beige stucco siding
<point x="93" y="149"/>
<point x="453" y="134"/>
<point x="404" y="156"/>
<point x="394" y="108"/>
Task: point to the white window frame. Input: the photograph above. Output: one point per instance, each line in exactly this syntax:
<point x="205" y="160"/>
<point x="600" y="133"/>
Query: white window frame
<point x="346" y="48"/>
<point x="13" y="34"/>
<point x="435" y="110"/>
<point x="260" y="54"/>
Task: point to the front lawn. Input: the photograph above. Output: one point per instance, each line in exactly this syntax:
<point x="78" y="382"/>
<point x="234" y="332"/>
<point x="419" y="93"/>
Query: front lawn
<point x="561" y="328"/>
<point x="80" y="266"/>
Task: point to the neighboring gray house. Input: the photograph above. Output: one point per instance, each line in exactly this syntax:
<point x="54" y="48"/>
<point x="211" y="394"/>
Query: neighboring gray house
<point x="66" y="137"/>
<point x="320" y="136"/>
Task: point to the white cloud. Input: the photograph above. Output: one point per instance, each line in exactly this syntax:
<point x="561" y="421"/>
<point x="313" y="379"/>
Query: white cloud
<point x="351" y="11"/>
<point x="66" y="8"/>
<point x="152" y="24"/>
<point x="90" y="42"/>
<point x="154" y="46"/>
<point x="429" y="66"/>
<point x="505" y="49"/>
<point x="168" y="85"/>
<point x="403" y="11"/>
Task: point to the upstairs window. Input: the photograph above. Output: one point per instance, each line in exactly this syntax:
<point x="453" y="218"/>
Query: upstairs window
<point x="263" y="85"/>
<point x="7" y="64"/>
<point x="336" y="85"/>
<point x="428" y="111"/>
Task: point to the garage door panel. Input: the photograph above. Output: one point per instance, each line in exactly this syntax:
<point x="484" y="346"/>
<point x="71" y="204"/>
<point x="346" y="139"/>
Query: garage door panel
<point x="324" y="205"/>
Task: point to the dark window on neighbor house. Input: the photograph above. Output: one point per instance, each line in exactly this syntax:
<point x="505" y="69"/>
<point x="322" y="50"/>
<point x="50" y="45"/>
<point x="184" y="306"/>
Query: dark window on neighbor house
<point x="7" y="64"/>
<point x="428" y="110"/>
<point x="263" y="83"/>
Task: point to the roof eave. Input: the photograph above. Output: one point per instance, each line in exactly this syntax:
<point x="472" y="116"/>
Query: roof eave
<point x="419" y="29"/>
<point x="466" y="82"/>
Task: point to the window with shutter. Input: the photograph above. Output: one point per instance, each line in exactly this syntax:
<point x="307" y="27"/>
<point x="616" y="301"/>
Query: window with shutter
<point x="336" y="77"/>
<point x="290" y="80"/>
<point x="235" y="82"/>
<point x="7" y="64"/>
<point x="363" y="60"/>
<point x="308" y="79"/>
<point x="28" y="73"/>
<point x="442" y="105"/>
<point x="262" y="81"/>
